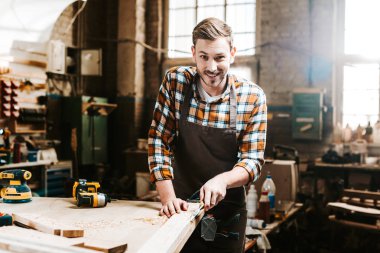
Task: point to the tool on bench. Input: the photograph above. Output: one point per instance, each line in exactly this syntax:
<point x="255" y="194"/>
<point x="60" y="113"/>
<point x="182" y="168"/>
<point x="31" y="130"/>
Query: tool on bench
<point x="86" y="194"/>
<point x="82" y="185"/>
<point x="15" y="189"/>
<point x="5" y="220"/>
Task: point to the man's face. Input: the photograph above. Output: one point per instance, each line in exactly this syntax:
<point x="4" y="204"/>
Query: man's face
<point x="213" y="59"/>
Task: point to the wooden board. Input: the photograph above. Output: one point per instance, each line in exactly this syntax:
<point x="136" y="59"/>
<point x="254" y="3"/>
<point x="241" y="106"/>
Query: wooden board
<point x="134" y="223"/>
<point x="46" y="225"/>
<point x="18" y="232"/>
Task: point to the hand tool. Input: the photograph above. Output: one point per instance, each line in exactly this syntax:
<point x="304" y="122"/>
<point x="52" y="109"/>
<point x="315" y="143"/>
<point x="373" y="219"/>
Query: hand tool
<point x="197" y="212"/>
<point x="82" y="185"/>
<point x="15" y="189"/>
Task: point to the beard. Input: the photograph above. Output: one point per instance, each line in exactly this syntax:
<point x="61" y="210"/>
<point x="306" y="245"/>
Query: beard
<point x="212" y="79"/>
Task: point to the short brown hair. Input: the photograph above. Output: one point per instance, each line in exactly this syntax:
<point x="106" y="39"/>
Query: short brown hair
<point x="211" y="29"/>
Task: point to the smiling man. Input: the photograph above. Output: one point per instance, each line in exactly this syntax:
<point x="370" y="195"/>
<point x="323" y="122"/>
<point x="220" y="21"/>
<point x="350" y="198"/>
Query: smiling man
<point x="207" y="138"/>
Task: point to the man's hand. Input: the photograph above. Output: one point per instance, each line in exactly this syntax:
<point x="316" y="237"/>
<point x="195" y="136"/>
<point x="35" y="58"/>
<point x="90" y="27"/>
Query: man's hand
<point x="170" y="203"/>
<point x="173" y="206"/>
<point x="213" y="191"/>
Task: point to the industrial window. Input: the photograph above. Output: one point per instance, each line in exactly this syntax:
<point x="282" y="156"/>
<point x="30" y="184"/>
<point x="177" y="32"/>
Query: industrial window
<point x="361" y="63"/>
<point x="184" y="15"/>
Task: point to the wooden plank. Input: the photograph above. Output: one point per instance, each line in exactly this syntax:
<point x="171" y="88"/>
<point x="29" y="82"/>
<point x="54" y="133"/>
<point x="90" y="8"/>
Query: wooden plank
<point x="27" y="245"/>
<point x="354" y="224"/>
<point x="357" y="209"/>
<point x="47" y="225"/>
<point x="98" y="245"/>
<point x="361" y="194"/>
<point x="179" y="224"/>
<point x="32" y="234"/>
<point x="119" y="223"/>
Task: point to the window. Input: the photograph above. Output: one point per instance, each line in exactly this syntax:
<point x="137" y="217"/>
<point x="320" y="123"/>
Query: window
<point x="361" y="63"/>
<point x="184" y="15"/>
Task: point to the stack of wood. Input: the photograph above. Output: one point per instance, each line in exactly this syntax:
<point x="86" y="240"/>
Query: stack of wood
<point x="358" y="209"/>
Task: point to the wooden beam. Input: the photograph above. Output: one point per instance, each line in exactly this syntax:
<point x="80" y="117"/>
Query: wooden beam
<point x="163" y="240"/>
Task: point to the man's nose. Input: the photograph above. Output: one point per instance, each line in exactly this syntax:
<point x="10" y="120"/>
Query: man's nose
<point x="212" y="66"/>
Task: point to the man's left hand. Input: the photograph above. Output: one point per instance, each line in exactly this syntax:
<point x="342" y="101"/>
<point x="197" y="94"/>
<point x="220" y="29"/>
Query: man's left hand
<point x="213" y="191"/>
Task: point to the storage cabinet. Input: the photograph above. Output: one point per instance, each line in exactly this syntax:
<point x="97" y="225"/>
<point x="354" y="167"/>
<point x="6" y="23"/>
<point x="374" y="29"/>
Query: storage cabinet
<point x="91" y="131"/>
<point x="307" y="114"/>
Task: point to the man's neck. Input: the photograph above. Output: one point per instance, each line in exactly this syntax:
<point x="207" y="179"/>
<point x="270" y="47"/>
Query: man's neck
<point x="214" y="91"/>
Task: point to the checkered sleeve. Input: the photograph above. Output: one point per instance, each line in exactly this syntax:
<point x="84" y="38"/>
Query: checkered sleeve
<point x="162" y="132"/>
<point x="252" y="144"/>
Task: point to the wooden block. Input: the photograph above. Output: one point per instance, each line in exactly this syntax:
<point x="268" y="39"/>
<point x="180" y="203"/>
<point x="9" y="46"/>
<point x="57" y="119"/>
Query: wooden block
<point x="46" y="225"/>
<point x="104" y="246"/>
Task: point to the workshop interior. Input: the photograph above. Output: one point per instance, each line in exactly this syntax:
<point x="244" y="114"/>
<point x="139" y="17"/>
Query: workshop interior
<point x="79" y="82"/>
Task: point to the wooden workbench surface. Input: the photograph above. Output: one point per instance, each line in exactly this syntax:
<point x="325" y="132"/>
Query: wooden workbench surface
<point x="135" y="223"/>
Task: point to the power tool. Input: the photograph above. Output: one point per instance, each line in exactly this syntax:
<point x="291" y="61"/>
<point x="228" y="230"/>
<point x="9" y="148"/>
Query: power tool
<point x="82" y="185"/>
<point x="86" y="194"/>
<point x="15" y="189"/>
<point x="92" y="199"/>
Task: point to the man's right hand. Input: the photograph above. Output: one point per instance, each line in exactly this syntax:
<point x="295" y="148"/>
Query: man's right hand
<point x="170" y="203"/>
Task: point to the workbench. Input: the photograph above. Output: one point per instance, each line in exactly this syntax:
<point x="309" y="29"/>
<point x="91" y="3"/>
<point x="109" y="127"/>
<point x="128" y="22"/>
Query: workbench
<point x="274" y="226"/>
<point x="134" y="224"/>
<point x="354" y="175"/>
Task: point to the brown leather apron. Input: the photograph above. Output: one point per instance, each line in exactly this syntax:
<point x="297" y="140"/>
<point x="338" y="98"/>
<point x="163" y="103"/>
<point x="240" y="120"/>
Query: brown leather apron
<point x="202" y="152"/>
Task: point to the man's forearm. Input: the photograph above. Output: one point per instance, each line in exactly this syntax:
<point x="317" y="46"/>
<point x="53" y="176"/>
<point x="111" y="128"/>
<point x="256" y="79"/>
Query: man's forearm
<point x="165" y="190"/>
<point x="236" y="177"/>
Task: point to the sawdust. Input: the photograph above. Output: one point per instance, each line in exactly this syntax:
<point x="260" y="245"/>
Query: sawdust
<point x="157" y="220"/>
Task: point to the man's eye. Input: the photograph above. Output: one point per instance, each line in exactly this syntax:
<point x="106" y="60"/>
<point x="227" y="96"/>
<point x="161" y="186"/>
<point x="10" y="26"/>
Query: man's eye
<point x="204" y="57"/>
<point x="220" y="58"/>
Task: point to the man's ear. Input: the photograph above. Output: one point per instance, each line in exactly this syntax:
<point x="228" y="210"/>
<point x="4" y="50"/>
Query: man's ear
<point x="233" y="52"/>
<point x="193" y="53"/>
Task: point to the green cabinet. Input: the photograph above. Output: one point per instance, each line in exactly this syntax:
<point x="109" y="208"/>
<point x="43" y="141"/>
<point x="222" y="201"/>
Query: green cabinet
<point x="91" y="130"/>
<point x="307" y="114"/>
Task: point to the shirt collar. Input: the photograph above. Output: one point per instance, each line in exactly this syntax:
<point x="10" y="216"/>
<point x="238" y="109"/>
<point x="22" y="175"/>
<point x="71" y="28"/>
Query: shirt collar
<point x="225" y="94"/>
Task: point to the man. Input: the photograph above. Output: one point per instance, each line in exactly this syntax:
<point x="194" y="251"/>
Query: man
<point x="214" y="126"/>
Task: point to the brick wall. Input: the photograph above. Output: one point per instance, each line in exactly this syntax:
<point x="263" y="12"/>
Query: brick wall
<point x="297" y="51"/>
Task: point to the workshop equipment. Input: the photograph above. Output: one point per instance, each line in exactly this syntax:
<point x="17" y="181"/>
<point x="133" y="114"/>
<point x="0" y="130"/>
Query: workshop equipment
<point x="86" y="194"/>
<point x="82" y="185"/>
<point x="15" y="189"/>
<point x="5" y="220"/>
<point x="92" y="199"/>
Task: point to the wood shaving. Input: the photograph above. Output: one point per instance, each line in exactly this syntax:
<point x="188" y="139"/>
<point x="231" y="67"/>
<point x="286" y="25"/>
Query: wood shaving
<point x="153" y="220"/>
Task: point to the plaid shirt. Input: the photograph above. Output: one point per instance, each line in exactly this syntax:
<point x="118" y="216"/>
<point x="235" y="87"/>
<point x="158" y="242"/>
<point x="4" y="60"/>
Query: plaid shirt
<point x="251" y="121"/>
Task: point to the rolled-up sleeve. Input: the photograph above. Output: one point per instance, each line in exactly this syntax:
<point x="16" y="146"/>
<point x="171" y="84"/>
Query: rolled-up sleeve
<point x="161" y="134"/>
<point x="252" y="143"/>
